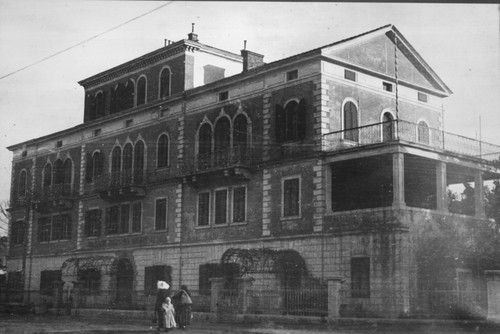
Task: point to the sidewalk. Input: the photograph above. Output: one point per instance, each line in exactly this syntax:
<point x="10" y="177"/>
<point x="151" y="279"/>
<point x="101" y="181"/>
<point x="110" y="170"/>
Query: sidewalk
<point x="34" y="324"/>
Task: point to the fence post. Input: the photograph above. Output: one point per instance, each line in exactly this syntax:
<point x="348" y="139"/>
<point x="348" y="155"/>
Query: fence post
<point x="216" y="285"/>
<point x="244" y="284"/>
<point x="493" y="292"/>
<point x="334" y="285"/>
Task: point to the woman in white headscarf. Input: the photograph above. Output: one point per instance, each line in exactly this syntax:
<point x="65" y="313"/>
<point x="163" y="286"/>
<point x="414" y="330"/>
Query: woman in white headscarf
<point x="163" y="292"/>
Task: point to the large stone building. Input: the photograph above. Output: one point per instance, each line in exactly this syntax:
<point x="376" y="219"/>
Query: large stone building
<point x="194" y="162"/>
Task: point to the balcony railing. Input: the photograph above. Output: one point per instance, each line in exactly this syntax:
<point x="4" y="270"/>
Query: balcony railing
<point x="412" y="133"/>
<point x="220" y="159"/>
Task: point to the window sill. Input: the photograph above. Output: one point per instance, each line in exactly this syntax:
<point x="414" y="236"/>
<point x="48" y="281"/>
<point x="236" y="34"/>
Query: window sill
<point x="290" y="218"/>
<point x="203" y="227"/>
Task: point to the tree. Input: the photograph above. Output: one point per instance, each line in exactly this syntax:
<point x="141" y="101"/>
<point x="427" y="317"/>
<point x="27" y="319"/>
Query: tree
<point x="4" y="218"/>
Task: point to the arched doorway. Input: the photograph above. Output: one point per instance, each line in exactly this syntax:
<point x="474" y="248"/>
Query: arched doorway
<point x="124" y="281"/>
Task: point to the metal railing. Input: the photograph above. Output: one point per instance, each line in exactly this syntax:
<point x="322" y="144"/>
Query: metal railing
<point x="413" y="133"/>
<point x="219" y="159"/>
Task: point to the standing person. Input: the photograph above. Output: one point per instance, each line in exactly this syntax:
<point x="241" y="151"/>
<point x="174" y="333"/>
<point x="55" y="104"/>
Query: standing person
<point x="183" y="307"/>
<point x="161" y="294"/>
<point x="169" y="314"/>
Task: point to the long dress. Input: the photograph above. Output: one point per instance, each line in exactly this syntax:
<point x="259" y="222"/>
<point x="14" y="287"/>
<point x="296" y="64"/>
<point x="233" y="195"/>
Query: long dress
<point x="169" y="316"/>
<point x="160" y="298"/>
<point x="183" y="311"/>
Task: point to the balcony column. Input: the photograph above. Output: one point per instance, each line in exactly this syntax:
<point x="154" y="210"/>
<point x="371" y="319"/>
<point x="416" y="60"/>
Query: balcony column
<point x="398" y="180"/>
<point x="441" y="187"/>
<point x="479" y="194"/>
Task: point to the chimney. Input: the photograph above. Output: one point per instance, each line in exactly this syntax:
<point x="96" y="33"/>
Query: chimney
<point x="192" y="36"/>
<point x="251" y="59"/>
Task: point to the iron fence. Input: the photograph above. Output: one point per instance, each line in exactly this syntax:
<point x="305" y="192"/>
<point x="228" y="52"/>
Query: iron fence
<point x="410" y="132"/>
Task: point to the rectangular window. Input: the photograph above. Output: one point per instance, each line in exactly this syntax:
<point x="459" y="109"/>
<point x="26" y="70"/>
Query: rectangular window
<point x="291" y="197"/>
<point x="239" y="204"/>
<point x="47" y="279"/>
<point x="221" y="206"/>
<point x="223" y="96"/>
<point x="350" y="75"/>
<point x="422" y="97"/>
<point x="57" y="228"/>
<point x="44" y="229"/>
<point x="161" y="214"/>
<point x="206" y="272"/>
<point x="59" y="143"/>
<point x="136" y="216"/>
<point x="91" y="281"/>
<point x="387" y="86"/>
<point x="360" y="277"/>
<point x="203" y="208"/>
<point x="17" y="233"/>
<point x="92" y="226"/>
<point x="124" y="218"/>
<point x="112" y="216"/>
<point x="292" y="75"/>
<point x="129" y="122"/>
<point x="154" y="274"/>
<point x="97" y="132"/>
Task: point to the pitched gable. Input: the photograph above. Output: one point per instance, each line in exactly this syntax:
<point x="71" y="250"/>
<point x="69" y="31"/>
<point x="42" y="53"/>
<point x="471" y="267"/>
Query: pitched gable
<point x="375" y="52"/>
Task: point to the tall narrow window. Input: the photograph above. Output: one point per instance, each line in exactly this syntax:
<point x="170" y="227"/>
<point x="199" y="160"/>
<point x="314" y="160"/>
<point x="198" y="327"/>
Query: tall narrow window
<point x="68" y="171"/>
<point x="113" y="103"/>
<point x="17" y="232"/>
<point x="124" y="218"/>
<point x="98" y="165"/>
<point x="129" y="94"/>
<point x="239" y="204"/>
<point x="58" y="173"/>
<point x="141" y="91"/>
<point x="222" y="138"/>
<point x="92" y="227"/>
<point x="221" y="206"/>
<point x="161" y="214"/>
<point x="112" y="217"/>
<point x="291" y="121"/>
<point x="89" y="168"/>
<point x="116" y="159"/>
<point x="44" y="229"/>
<point x="423" y="132"/>
<point x="139" y="162"/>
<point x="291" y="197"/>
<point x="165" y="83"/>
<point x="240" y="139"/>
<point x="47" y="177"/>
<point x="22" y="184"/>
<point x="127" y="164"/>
<point x="205" y="147"/>
<point x="387" y="127"/>
<point x="99" y="104"/>
<point x="120" y="98"/>
<point x="162" y="153"/>
<point x="350" y="121"/>
<point x="203" y="208"/>
<point x="360" y="277"/>
<point x="136" y="216"/>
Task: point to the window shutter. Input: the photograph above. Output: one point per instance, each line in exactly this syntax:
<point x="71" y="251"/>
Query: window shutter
<point x="302" y="119"/>
<point x="279" y="123"/>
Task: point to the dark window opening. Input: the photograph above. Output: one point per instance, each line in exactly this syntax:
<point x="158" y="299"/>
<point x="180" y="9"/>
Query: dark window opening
<point x="141" y="91"/>
<point x="165" y="83"/>
<point x="239" y="204"/>
<point x="350" y="75"/>
<point x="203" y="208"/>
<point x="22" y="184"/>
<point x="124" y="218"/>
<point x="161" y="214"/>
<point x="387" y="127"/>
<point x="92" y="227"/>
<point x="422" y="97"/>
<point x="360" y="277"/>
<point x="59" y="143"/>
<point x="47" y="177"/>
<point x="136" y="216"/>
<point x="387" y="86"/>
<point x="240" y="140"/>
<point x="112" y="219"/>
<point x="291" y="197"/>
<point x="116" y="159"/>
<point x="90" y="280"/>
<point x="139" y="162"/>
<point x="223" y="96"/>
<point x="127" y="164"/>
<point x="291" y="75"/>
<point x="205" y="147"/>
<point x="128" y="123"/>
<point x="228" y="271"/>
<point x="47" y="280"/>
<point x="44" y="229"/>
<point x="351" y="131"/>
<point x="222" y="138"/>
<point x="154" y="274"/>
<point x="97" y="132"/>
<point x="291" y="121"/>
<point x="162" y="159"/>
<point x="221" y="206"/>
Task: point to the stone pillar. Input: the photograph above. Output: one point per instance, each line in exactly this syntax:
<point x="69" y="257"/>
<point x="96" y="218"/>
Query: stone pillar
<point x="441" y="187"/>
<point x="244" y="285"/>
<point x="398" y="180"/>
<point x="77" y="296"/>
<point x="334" y="285"/>
<point x="479" y="195"/>
<point x="216" y="286"/>
<point x="493" y="291"/>
<point x="58" y="295"/>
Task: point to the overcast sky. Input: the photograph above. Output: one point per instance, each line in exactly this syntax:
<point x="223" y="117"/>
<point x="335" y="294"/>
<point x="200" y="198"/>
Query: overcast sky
<point x="459" y="41"/>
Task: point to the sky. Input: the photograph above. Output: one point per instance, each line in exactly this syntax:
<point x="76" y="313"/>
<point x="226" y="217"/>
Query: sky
<point x="46" y="47"/>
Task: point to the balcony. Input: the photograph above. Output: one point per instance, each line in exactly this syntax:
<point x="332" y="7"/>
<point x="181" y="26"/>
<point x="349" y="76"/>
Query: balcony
<point x="57" y="197"/>
<point x="234" y="163"/>
<point x="120" y="186"/>
<point x="404" y="131"/>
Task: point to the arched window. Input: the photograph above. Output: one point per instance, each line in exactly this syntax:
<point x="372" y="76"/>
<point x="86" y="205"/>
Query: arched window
<point x="141" y="91"/>
<point x="94" y="167"/>
<point x="89" y="168"/>
<point x="58" y="172"/>
<point x="351" y="122"/>
<point x="205" y="146"/>
<point x="129" y="94"/>
<point x="387" y="127"/>
<point x="22" y="184"/>
<point x="162" y="153"/>
<point x="99" y="104"/>
<point x="127" y="163"/>
<point x="165" y="83"/>
<point x="47" y="177"/>
<point x="139" y="162"/>
<point x="116" y="159"/>
<point x="291" y="121"/>
<point x="240" y="140"/>
<point x="222" y="138"/>
<point x="113" y="103"/>
<point x="68" y="169"/>
<point x="98" y="165"/>
<point x="423" y="132"/>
